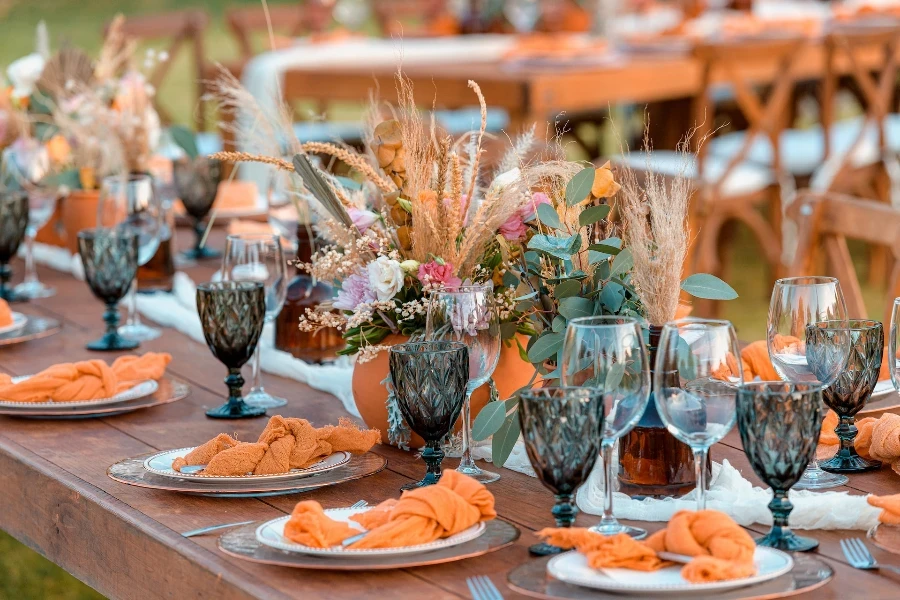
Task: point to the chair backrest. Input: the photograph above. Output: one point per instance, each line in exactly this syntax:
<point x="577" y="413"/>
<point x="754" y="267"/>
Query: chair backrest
<point x="826" y="220"/>
<point x="312" y="16"/>
<point x="183" y="28"/>
<point x="413" y="18"/>
<point x="741" y="64"/>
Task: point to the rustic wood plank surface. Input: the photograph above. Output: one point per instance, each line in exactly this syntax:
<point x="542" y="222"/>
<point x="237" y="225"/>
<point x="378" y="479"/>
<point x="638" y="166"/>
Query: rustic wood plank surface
<point x="125" y="541"/>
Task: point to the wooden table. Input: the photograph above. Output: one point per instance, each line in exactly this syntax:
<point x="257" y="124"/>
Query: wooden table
<point x="125" y="541"/>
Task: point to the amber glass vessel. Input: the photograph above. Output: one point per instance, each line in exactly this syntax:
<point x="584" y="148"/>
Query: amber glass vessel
<point x="158" y="275"/>
<point x="652" y="463"/>
<point x="303" y="293"/>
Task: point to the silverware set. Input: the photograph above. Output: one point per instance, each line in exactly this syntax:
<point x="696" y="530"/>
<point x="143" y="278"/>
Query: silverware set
<point x="859" y="556"/>
<point x="482" y="588"/>
<point x="211" y="528"/>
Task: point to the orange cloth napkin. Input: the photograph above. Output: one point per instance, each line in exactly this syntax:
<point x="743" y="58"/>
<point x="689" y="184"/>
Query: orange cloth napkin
<point x="877" y="439"/>
<point x="86" y="380"/>
<point x="722" y="550"/>
<point x="6" y="317"/>
<point x="423" y="515"/>
<point x="283" y="445"/>
<point x="890" y="508"/>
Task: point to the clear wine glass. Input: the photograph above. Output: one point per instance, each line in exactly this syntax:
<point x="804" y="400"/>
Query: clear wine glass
<point x="696" y="378"/>
<point x="130" y="203"/>
<point x="468" y="314"/>
<point x="893" y="357"/>
<point x="523" y="15"/>
<point x="797" y="303"/>
<point x="608" y="354"/>
<point x="41" y="204"/>
<point x="258" y="257"/>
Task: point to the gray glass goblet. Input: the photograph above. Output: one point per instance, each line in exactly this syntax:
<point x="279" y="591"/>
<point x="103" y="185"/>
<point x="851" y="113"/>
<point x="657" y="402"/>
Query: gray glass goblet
<point x="562" y="427"/>
<point x="853" y="387"/>
<point x="196" y="183"/>
<point x="110" y="260"/>
<point x="232" y="315"/>
<point x="779" y="424"/>
<point x="13" y="223"/>
<point x="430" y="380"/>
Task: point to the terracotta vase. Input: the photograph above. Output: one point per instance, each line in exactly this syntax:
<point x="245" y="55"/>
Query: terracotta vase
<point x="371" y="396"/>
<point x="53" y="232"/>
<point x="79" y="211"/>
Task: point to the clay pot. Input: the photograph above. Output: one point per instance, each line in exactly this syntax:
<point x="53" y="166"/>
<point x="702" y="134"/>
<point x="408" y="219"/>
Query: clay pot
<point x="371" y="396"/>
<point x="79" y="211"/>
<point x="53" y="232"/>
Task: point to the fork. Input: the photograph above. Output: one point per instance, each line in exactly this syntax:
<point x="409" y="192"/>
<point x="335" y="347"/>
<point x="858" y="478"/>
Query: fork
<point x="860" y="557"/>
<point x="482" y="588"/>
<point x="210" y="529"/>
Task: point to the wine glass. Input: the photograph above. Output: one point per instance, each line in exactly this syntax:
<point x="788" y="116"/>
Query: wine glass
<point x="797" y="303"/>
<point x="523" y="15"/>
<point x="698" y="407"/>
<point x="468" y="314"/>
<point x="430" y="380"/>
<point x="893" y="357"/>
<point x="13" y="222"/>
<point x="196" y="184"/>
<point x="41" y="204"/>
<point x="130" y="203"/>
<point x="258" y="257"/>
<point x="608" y="354"/>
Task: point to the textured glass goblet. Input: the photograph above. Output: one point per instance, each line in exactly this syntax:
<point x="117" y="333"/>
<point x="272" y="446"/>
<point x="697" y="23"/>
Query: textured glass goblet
<point x="109" y="257"/>
<point x="232" y="314"/>
<point x="13" y="223"/>
<point x="430" y="380"/>
<point x="562" y="427"/>
<point x="779" y="424"/>
<point x="196" y="185"/>
<point x="854" y="385"/>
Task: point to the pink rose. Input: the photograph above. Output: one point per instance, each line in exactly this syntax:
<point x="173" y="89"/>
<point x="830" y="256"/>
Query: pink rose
<point x="432" y="272"/>
<point x="530" y="208"/>
<point x="354" y="291"/>
<point x="362" y="219"/>
<point x="514" y="228"/>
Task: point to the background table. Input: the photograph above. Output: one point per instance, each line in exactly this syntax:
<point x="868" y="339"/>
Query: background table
<point x="125" y="541"/>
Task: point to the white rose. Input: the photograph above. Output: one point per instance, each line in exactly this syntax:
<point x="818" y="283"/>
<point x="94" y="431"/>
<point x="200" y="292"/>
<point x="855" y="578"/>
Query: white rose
<point x="385" y="277"/>
<point x="24" y="73"/>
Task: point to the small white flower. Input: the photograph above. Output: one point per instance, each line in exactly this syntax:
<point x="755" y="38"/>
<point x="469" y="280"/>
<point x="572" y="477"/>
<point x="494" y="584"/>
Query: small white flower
<point x="385" y="277"/>
<point x="24" y="73"/>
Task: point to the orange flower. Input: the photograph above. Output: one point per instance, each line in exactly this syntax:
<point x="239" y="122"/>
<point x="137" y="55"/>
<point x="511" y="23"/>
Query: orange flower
<point x="605" y="185"/>
<point x="59" y="150"/>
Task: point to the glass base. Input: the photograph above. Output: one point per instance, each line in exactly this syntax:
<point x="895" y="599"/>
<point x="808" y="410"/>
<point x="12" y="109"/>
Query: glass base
<point x="544" y="549"/>
<point x="477" y="474"/>
<point x="849" y="464"/>
<point x="11" y="296"/>
<point x="235" y="410"/>
<point x="817" y="479"/>
<point x="34" y="289"/>
<point x="140" y="333"/>
<point x="635" y="532"/>
<point x="203" y="253"/>
<point x="262" y="399"/>
<point x="787" y="541"/>
<point x="111" y="342"/>
<point x="429" y="479"/>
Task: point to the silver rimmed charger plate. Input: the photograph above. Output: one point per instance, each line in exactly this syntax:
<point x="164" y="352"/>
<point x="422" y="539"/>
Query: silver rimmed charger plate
<point x="34" y="329"/>
<point x="144" y="388"/>
<point x="242" y="543"/>
<point x="168" y="391"/>
<point x="809" y="573"/>
<point x="131" y="471"/>
<point x="18" y="322"/>
<point x="161" y="464"/>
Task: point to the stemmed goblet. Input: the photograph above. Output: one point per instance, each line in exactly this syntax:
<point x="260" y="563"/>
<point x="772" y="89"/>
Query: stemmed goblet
<point x="798" y="302"/>
<point x="258" y="257"/>
<point x="607" y="354"/>
<point x="196" y="184"/>
<point x="130" y="203"/>
<point x="779" y="424"/>
<point x="430" y="380"/>
<point x="468" y="314"/>
<point x="894" y="338"/>
<point x="109" y="257"/>
<point x="853" y="387"/>
<point x="41" y="204"/>
<point x="562" y="428"/>
<point x="13" y="222"/>
<point x="698" y="408"/>
<point x="232" y="315"/>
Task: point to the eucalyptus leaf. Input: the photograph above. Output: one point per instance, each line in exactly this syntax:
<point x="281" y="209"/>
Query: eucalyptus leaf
<point x="559" y="247"/>
<point x="613" y="376"/>
<point x="510" y="279"/>
<point x="592" y="214"/>
<point x="185" y="139"/>
<point x="579" y="187"/>
<point x="544" y="347"/>
<point x="548" y="216"/>
<point x="709" y="287"/>
<point x="505" y="439"/>
<point x="612" y="297"/>
<point x="574" y="307"/>
<point x="605" y="249"/>
<point x="622" y="264"/>
<point x="559" y="324"/>
<point x="569" y="287"/>
<point x="508" y="330"/>
<point x="489" y="420"/>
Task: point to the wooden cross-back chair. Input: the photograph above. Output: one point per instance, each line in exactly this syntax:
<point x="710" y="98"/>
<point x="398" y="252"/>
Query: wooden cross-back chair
<point x="290" y="20"/>
<point x="414" y="18"/>
<point x="184" y="28"/>
<point x="826" y="220"/>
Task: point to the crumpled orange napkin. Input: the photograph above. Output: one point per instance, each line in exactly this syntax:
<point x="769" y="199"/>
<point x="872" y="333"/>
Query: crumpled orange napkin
<point x="721" y="548"/>
<point x="284" y="444"/>
<point x="85" y="380"/>
<point x="877" y="439"/>
<point x="6" y="317"/>
<point x="422" y="515"/>
<point x="890" y="508"/>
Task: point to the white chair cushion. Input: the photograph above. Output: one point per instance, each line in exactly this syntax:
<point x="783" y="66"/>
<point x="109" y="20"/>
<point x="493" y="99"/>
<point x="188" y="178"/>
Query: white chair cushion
<point x="746" y="178"/>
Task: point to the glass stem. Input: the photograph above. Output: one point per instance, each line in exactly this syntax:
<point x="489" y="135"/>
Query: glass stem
<point x="564" y="510"/>
<point x="466" y="460"/>
<point x="257" y="376"/>
<point x="608" y="520"/>
<point x="134" y="319"/>
<point x="700" y="473"/>
<point x="781" y="507"/>
<point x="846" y="432"/>
<point x="31" y="275"/>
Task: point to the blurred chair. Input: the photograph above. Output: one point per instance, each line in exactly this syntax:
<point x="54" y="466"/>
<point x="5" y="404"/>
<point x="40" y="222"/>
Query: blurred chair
<point x="826" y="220"/>
<point x="414" y="18"/>
<point x="288" y="21"/>
<point x="185" y="28"/>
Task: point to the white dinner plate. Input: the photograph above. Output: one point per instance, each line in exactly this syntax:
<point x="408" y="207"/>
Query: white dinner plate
<point x="19" y="321"/>
<point x="883" y="388"/>
<point x="141" y="390"/>
<point x="161" y="464"/>
<point x="572" y="567"/>
<point x="271" y="533"/>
